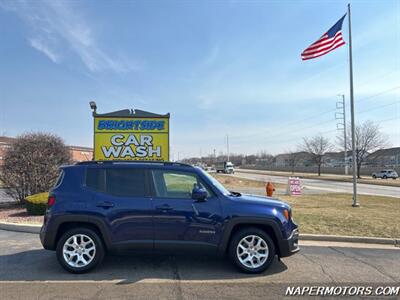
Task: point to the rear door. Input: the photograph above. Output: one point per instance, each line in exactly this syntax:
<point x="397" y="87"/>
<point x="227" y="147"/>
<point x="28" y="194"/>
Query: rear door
<point x="122" y="199"/>
<point x="179" y="221"/>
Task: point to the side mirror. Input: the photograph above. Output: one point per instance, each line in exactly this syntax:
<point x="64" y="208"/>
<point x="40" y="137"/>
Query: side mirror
<point x="199" y="194"/>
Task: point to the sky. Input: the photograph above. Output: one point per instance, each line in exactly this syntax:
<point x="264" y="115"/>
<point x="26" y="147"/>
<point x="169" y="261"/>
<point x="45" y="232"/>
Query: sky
<point x="221" y="68"/>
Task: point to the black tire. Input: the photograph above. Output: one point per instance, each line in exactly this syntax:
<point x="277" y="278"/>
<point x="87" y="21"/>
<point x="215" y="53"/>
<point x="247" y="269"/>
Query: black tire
<point x="238" y="236"/>
<point x="99" y="250"/>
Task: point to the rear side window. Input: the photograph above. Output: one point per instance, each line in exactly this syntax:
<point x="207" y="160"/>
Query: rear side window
<point x="59" y="179"/>
<point x="96" y="179"/>
<point x="123" y="182"/>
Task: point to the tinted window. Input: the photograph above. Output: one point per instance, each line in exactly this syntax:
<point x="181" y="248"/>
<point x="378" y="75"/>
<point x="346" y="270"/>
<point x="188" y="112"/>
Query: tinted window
<point x="59" y="179"/>
<point x="95" y="179"/>
<point x="175" y="184"/>
<point x="125" y="182"/>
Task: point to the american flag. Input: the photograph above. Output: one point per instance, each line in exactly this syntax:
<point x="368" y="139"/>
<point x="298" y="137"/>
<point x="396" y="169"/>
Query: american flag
<point x="329" y="41"/>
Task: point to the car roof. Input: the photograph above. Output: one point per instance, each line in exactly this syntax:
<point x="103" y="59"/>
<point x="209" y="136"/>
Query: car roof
<point x="113" y="163"/>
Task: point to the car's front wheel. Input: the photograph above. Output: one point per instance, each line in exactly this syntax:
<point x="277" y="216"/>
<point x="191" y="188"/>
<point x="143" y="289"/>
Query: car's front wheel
<point x="252" y="250"/>
<point x="80" y="250"/>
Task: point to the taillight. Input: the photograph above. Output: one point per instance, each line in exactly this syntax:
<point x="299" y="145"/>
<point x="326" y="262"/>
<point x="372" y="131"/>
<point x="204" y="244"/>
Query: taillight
<point x="51" y="201"/>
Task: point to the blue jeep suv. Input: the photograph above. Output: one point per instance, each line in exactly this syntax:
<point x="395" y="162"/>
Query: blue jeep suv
<point x="96" y="207"/>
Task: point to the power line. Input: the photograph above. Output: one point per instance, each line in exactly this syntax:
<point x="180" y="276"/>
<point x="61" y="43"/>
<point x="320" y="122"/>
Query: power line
<point x="378" y="107"/>
<point x="287" y="125"/>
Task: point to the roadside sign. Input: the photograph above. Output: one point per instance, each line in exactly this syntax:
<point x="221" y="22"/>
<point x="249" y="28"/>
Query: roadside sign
<point x="131" y="135"/>
<point x="294" y="186"/>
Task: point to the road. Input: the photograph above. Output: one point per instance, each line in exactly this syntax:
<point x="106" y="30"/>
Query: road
<point x="326" y="185"/>
<point x="4" y="197"/>
<point x="29" y="272"/>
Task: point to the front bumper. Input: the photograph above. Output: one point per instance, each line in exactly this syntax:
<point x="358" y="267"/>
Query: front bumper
<point x="290" y="246"/>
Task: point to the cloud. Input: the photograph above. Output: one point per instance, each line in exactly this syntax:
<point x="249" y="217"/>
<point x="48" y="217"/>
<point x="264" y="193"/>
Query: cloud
<point x="42" y="47"/>
<point x="56" y="27"/>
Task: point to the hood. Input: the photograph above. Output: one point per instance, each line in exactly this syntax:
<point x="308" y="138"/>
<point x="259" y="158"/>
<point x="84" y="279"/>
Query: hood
<point x="263" y="200"/>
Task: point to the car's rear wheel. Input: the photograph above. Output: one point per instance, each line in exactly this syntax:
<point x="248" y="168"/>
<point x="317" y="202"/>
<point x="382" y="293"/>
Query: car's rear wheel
<point x="80" y="250"/>
<point x="252" y="250"/>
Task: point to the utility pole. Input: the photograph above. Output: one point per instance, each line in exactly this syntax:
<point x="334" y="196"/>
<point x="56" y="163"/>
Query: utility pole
<point x="215" y="156"/>
<point x="341" y="115"/>
<point x="353" y="137"/>
<point x="227" y="146"/>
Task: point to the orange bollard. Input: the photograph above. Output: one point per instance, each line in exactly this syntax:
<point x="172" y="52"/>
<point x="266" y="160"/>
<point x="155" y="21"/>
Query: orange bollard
<point x="269" y="187"/>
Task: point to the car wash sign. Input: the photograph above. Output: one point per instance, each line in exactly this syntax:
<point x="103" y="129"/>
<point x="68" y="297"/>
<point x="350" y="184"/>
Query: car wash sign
<point x="131" y="135"/>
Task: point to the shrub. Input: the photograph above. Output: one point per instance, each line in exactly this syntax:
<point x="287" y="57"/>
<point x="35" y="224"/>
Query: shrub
<point x="36" y="204"/>
<point x="31" y="164"/>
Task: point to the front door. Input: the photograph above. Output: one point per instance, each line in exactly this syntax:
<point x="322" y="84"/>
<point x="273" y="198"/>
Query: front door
<point x="179" y="221"/>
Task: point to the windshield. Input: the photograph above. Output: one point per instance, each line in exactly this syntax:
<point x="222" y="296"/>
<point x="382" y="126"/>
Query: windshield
<point x="216" y="183"/>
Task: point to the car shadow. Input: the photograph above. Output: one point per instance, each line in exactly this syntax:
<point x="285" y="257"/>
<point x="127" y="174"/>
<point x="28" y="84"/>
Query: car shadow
<point x="40" y="265"/>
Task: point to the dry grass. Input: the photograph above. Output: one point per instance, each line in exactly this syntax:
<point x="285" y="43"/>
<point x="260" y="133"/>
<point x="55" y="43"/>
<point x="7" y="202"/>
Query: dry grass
<point x="333" y="214"/>
<point x="235" y="182"/>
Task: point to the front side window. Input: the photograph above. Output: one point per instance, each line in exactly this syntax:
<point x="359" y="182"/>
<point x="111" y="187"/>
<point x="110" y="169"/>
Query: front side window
<point x="175" y="184"/>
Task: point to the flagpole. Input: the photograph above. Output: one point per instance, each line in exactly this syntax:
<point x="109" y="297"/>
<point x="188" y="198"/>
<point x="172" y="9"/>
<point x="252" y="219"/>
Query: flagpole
<point x="353" y="139"/>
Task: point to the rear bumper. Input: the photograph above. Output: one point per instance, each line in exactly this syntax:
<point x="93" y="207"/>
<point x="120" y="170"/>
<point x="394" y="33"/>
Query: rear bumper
<point x="290" y="246"/>
<point x="47" y="238"/>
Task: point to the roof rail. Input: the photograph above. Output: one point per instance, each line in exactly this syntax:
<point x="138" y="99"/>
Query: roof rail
<point x="155" y="162"/>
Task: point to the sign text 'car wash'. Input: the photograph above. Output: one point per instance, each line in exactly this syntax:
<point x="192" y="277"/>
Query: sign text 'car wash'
<point x="131" y="135"/>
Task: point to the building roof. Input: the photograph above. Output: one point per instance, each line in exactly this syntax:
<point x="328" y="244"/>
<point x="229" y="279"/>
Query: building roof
<point x="385" y="152"/>
<point x="131" y="113"/>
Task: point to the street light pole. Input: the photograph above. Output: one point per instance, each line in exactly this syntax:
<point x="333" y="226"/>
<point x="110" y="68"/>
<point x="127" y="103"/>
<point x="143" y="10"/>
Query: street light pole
<point x="227" y="146"/>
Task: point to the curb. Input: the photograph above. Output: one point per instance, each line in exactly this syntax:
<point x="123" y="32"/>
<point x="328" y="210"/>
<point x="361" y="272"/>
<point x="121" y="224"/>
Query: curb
<point x="30" y="228"/>
<point x="349" y="239"/>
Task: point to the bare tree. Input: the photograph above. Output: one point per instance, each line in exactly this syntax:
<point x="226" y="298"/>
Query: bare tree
<point x="31" y="164"/>
<point x="368" y="139"/>
<point x="316" y="147"/>
<point x="293" y="159"/>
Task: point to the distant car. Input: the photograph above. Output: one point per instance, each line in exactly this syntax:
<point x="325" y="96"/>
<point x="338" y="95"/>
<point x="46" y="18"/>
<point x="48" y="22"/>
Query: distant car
<point x="384" y="174"/>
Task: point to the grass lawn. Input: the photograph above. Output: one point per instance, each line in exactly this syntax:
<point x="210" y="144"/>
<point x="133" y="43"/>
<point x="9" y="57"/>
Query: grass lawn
<point x="235" y="182"/>
<point x="332" y="214"/>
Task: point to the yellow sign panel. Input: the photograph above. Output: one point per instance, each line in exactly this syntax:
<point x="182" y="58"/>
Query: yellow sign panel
<point x="131" y="138"/>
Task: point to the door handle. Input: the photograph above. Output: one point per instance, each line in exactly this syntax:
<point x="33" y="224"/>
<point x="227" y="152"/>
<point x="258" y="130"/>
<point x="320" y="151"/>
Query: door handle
<point x="164" y="207"/>
<point x="105" y="204"/>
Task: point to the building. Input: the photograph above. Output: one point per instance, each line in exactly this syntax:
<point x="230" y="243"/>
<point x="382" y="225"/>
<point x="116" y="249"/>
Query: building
<point x="292" y="159"/>
<point x="5" y="143"/>
<point x="385" y="158"/>
<point x="336" y="159"/>
<point x="78" y="153"/>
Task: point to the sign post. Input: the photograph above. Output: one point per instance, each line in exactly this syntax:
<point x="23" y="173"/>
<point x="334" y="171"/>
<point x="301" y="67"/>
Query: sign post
<point x="131" y="135"/>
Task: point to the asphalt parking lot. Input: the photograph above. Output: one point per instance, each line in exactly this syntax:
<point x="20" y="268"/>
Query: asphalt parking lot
<point x="29" y="272"/>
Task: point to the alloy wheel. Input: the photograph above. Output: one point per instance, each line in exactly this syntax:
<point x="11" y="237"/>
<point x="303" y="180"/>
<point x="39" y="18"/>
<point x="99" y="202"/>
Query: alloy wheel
<point x="79" y="250"/>
<point x="252" y="251"/>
